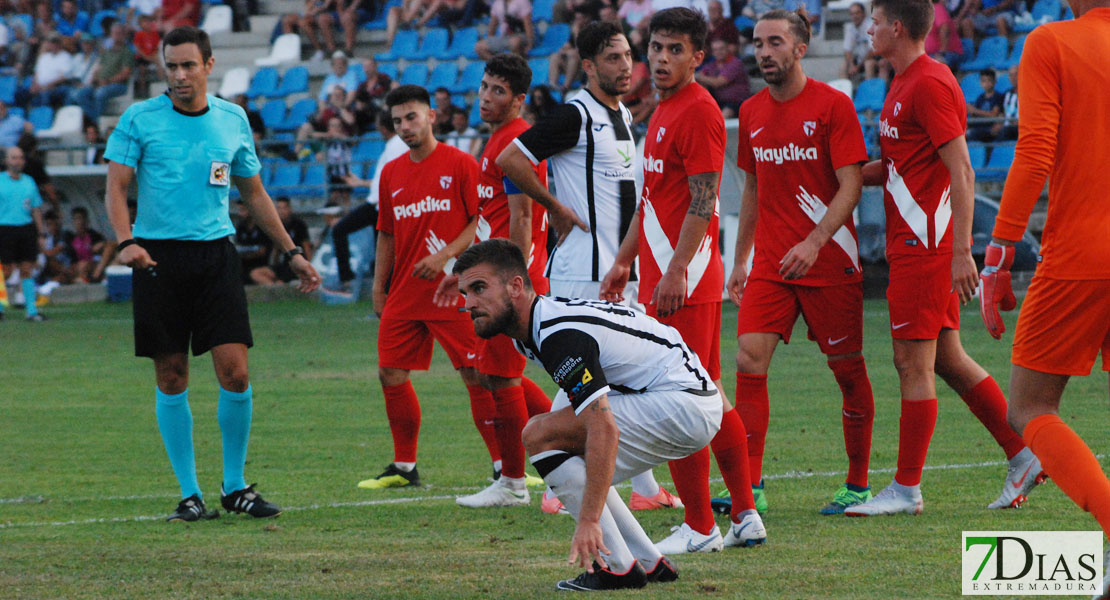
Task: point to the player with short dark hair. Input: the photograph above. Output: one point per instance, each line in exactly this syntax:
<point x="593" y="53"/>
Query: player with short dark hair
<point x="185" y="148"/>
<point x="929" y="195"/>
<point x="1065" y="319"/>
<point x="674" y="234"/>
<point x="21" y="228"/>
<point x="632" y="396"/>
<point x="428" y="213"/>
<point x="796" y="210"/>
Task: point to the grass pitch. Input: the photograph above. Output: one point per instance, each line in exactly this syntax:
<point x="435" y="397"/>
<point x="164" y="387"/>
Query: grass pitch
<point x="84" y="481"/>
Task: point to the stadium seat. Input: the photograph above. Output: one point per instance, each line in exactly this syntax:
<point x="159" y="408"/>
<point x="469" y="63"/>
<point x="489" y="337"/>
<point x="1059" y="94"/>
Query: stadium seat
<point x="41" y="117"/>
<point x="741" y="22"/>
<point x="870" y="94"/>
<point x="539" y="71"/>
<point x="1015" y="53"/>
<point x="462" y="45"/>
<point x="273" y="113"/>
<point x="96" y="24"/>
<point x="298" y="115"/>
<point x="992" y="51"/>
<point x="17" y="111"/>
<point x="556" y="35"/>
<point x="368" y="150"/>
<point x="543" y="10"/>
<point x="415" y="74"/>
<point x="1002" y="156"/>
<point x="8" y="85"/>
<point x="475" y="118"/>
<point x="470" y="78"/>
<point x="68" y="124"/>
<point x="286" y="177"/>
<point x="217" y="19"/>
<point x="295" y="81"/>
<point x="24" y="20"/>
<point x="444" y="75"/>
<point x="433" y="45"/>
<point x="379" y="21"/>
<point x="843" y="85"/>
<point x="1003" y="84"/>
<point x="315" y="182"/>
<point x="389" y="69"/>
<point x="969" y="85"/>
<point x="1068" y="14"/>
<point x="236" y="81"/>
<point x="287" y="48"/>
<point x="404" y="45"/>
<point x="264" y="82"/>
<point x="1044" y="11"/>
<point x="978" y="154"/>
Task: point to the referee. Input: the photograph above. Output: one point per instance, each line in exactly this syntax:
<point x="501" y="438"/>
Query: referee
<point x="184" y="148"/>
<point x="21" y="228"/>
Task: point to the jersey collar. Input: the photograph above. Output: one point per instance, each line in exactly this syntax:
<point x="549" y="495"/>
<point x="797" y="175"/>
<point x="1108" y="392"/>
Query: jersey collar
<point x="186" y="112"/>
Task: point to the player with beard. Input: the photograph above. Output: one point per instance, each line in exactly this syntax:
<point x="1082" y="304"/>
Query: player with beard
<point x="929" y="194"/>
<point x="588" y="143"/>
<point x="674" y="235"/>
<point x="794" y="204"/>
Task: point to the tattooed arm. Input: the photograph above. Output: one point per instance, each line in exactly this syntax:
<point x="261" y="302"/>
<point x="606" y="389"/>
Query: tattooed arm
<point x="670" y="294"/>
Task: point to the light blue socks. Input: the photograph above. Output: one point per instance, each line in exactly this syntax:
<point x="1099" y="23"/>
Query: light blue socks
<point x="234" y="416"/>
<point x="175" y="422"/>
<point x="29" y="296"/>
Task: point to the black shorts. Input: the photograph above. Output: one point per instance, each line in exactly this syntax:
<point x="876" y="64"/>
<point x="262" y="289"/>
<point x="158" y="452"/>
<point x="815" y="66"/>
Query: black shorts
<point x="19" y="243"/>
<point x="195" y="291"/>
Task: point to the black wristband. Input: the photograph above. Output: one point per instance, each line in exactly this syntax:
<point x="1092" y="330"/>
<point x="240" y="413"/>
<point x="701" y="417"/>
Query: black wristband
<point x="126" y="243"/>
<point x="289" y="254"/>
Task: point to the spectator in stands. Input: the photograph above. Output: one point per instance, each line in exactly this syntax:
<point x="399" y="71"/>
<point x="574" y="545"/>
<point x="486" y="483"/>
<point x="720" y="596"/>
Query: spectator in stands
<point x="176" y="13"/>
<point x="337" y="154"/>
<point x="12" y="126"/>
<point x="139" y="8"/>
<point x="987" y="106"/>
<point x="34" y="166"/>
<point x="982" y="16"/>
<point x="69" y="22"/>
<point x="363" y="103"/>
<point x="540" y="102"/>
<point x="462" y="135"/>
<point x="414" y="13"/>
<point x="53" y="259"/>
<point x="510" y="29"/>
<point x="340" y="76"/>
<point x="722" y="28"/>
<point x="317" y="126"/>
<point x="21" y="51"/>
<point x="859" y="59"/>
<point x="45" y="26"/>
<point x="444" y="108"/>
<point x="86" y="247"/>
<point x="726" y="78"/>
<point x="253" y="246"/>
<point x="1008" y="129"/>
<point x="94" y="151"/>
<point x="81" y="67"/>
<point x="351" y="17"/>
<point x="5" y="40"/>
<point x="374" y="83"/>
<point x="111" y="75"/>
<point x="318" y="24"/>
<point x="640" y="99"/>
<point x="278" y="272"/>
<point x="566" y="61"/>
<point x="147" y="64"/>
<point x="49" y="85"/>
<point x="943" y="42"/>
<point x="636" y="13"/>
<point x="254" y="118"/>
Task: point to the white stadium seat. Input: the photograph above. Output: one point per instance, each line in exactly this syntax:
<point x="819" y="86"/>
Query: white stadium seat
<point x="68" y="125"/>
<point x="843" y="85"/>
<point x="287" y="48"/>
<point x="235" y="82"/>
<point x="217" y="19"/>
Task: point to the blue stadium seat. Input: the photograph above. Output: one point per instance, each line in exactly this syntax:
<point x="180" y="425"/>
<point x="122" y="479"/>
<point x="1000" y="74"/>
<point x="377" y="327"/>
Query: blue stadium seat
<point x="379" y="20"/>
<point x="389" y="69"/>
<point x="24" y="20"/>
<point x="368" y="150"/>
<point x="992" y="51"/>
<point x="273" y="113"/>
<point x="470" y="78"/>
<point x="556" y="35"/>
<point x="1015" y="53"/>
<point x="17" y="111"/>
<point x="444" y="75"/>
<point x="315" y="182"/>
<point x="286" y="177"/>
<point x="96" y="25"/>
<point x="8" y="85"/>
<point x="543" y="10"/>
<point x="969" y="85"/>
<point x="1068" y="14"/>
<point x="415" y="74"/>
<point x="1043" y="10"/>
<point x="298" y="115"/>
<point x="404" y="45"/>
<point x="539" y="71"/>
<point x="41" y="117"/>
<point x="870" y="94"/>
<point x="295" y="81"/>
<point x="743" y="22"/>
<point x="476" y="114"/>
<point x="264" y="82"/>
<point x="978" y="154"/>
<point x="462" y="45"/>
<point x="434" y="44"/>
<point x="1002" y="156"/>
<point x="1003" y="84"/>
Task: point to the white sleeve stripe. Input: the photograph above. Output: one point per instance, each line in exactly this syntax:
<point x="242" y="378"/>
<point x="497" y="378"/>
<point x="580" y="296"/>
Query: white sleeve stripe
<point x="593" y="397"/>
<point x="526" y="151"/>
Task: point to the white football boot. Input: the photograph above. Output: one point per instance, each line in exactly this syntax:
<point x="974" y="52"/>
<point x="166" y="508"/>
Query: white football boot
<point x="1023" y="475"/>
<point x="684" y="540"/>
<point x="895" y="498"/>
<point x="748" y="532"/>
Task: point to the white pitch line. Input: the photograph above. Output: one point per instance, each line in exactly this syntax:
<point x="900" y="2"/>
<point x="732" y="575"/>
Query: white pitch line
<point x="409" y="499"/>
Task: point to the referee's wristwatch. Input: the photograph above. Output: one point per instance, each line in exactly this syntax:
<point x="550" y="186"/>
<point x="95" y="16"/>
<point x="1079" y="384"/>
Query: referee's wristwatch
<point x="289" y="254"/>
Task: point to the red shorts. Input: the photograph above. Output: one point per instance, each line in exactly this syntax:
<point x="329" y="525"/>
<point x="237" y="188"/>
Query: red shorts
<point x="1063" y="325"/>
<point x="920" y="297"/>
<point x="407" y="344"/>
<point x="833" y="313"/>
<point x="700" y="326"/>
<point x="499" y="357"/>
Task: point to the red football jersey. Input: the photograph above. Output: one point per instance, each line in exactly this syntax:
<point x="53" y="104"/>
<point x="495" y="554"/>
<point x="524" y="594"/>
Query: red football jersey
<point x="494" y="208"/>
<point x="424" y="205"/>
<point x="924" y="110"/>
<point x="794" y="148"/>
<point x="686" y="136"/>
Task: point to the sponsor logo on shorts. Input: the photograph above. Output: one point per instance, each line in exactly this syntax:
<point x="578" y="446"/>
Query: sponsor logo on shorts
<point x="900" y="325"/>
<point x="833" y="342"/>
<point x="427" y="205"/>
<point x="470" y="355"/>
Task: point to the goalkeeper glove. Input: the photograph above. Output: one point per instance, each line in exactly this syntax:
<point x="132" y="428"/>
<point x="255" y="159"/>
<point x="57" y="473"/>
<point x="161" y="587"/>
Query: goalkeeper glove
<point x="995" y="291"/>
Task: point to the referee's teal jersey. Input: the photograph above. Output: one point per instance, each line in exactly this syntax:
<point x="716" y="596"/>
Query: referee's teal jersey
<point x="183" y="162"/>
<point x="17" y="198"/>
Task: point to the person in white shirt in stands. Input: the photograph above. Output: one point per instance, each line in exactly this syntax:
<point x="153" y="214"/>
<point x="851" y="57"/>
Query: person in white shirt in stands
<point x="462" y="135"/>
<point x="48" y="87"/>
<point x="859" y="59"/>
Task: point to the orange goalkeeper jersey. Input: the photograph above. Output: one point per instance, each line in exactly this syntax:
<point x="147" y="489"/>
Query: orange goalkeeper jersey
<point x="1064" y="122"/>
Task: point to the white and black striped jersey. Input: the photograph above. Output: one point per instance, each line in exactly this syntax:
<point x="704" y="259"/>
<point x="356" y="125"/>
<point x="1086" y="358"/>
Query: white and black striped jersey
<point x="590" y="348"/>
<point x="591" y="152"/>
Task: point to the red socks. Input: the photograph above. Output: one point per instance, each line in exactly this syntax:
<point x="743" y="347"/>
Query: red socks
<point x="754" y="410"/>
<point x="989" y="406"/>
<point x="512" y="414"/>
<point x="534" y="396"/>
<point x="691" y="481"/>
<point x="1070" y="463"/>
<point x="484" y="412"/>
<point x="730" y="448"/>
<point x="403" y="411"/>
<point x="915" y="431"/>
<point x="857" y="415"/>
